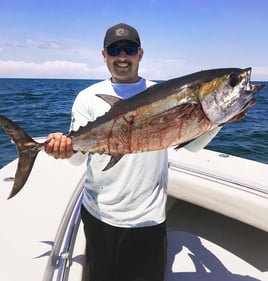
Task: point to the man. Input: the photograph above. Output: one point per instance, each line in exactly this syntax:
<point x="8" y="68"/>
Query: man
<point x="123" y="208"/>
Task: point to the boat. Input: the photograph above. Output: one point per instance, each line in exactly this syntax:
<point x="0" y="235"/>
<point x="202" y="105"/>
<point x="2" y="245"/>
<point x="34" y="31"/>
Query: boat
<point x="216" y="220"/>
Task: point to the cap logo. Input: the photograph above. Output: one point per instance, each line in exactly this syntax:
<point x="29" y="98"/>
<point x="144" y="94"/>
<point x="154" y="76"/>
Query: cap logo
<point x="122" y="32"/>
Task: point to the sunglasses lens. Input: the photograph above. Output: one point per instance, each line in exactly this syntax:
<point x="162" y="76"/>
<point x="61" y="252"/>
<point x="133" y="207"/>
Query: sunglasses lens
<point x="115" y="50"/>
<point x="131" y="50"/>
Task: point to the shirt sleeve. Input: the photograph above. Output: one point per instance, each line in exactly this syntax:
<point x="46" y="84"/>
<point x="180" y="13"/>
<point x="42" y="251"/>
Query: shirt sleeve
<point x="86" y="108"/>
<point x="80" y="117"/>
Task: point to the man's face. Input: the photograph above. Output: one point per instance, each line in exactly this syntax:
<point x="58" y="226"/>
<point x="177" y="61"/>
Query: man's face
<point x="122" y="66"/>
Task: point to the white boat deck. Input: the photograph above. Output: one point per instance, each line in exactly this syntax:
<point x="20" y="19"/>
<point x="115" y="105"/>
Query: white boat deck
<point x="203" y="245"/>
<point x="30" y="220"/>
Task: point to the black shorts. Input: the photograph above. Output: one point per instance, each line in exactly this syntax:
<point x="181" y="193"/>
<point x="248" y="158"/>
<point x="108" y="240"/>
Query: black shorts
<point x="124" y="254"/>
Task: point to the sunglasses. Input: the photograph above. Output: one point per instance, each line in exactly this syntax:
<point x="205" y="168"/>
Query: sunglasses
<point x="115" y="50"/>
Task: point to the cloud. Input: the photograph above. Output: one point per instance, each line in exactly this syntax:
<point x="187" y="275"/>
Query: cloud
<point x="44" y="44"/>
<point x="160" y="69"/>
<point x="152" y="69"/>
<point x="39" y="44"/>
<point x="50" y="69"/>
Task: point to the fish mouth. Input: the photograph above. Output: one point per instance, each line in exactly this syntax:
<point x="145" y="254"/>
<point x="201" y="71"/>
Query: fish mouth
<point x="251" y="89"/>
<point x="250" y="93"/>
<point x="256" y="88"/>
<point x="249" y="104"/>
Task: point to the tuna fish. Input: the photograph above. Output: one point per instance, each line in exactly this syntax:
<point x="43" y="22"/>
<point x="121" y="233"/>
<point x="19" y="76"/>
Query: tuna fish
<point x="169" y="114"/>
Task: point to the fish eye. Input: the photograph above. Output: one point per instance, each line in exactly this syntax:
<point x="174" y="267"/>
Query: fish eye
<point x="234" y="79"/>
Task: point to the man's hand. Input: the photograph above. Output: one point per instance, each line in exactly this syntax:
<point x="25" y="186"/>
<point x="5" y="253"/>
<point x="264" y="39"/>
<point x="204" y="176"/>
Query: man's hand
<point x="59" y="146"/>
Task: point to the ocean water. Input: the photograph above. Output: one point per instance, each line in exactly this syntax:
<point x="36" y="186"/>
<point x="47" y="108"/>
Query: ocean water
<point x="41" y="106"/>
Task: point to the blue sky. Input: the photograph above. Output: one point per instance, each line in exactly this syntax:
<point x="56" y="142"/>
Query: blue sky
<point x="63" y="38"/>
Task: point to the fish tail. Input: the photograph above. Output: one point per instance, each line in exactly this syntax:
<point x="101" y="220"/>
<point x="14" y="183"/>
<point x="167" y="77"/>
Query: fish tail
<point x="27" y="150"/>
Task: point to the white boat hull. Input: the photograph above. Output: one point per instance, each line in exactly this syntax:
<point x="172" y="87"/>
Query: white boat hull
<point x="230" y="185"/>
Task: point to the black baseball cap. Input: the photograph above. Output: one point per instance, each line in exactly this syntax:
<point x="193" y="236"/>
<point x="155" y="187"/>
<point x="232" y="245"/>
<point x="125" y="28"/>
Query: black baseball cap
<point x="121" y="32"/>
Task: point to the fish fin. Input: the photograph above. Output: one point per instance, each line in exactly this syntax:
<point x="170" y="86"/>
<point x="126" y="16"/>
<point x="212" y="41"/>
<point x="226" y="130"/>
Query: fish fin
<point x="27" y="151"/>
<point x="182" y="145"/>
<point x="114" y="159"/>
<point x="109" y="99"/>
<point x="200" y="142"/>
<point x="203" y="140"/>
<point x="24" y="168"/>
